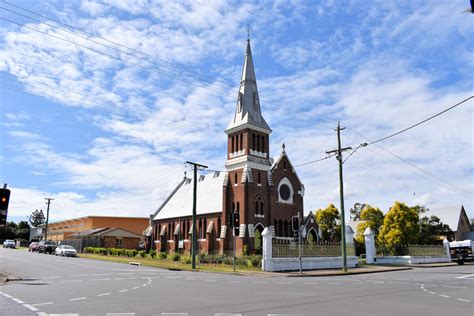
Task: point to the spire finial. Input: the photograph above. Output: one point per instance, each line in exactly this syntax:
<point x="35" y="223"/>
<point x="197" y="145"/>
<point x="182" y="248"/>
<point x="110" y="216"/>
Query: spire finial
<point x="185" y="173"/>
<point x="248" y="32"/>
<point x="283" y="147"/>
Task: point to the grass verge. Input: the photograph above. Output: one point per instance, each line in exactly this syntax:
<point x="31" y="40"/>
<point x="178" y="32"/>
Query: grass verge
<point x="169" y="264"/>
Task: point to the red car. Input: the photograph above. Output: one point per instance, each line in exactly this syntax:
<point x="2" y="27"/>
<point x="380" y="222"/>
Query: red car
<point x="33" y="246"/>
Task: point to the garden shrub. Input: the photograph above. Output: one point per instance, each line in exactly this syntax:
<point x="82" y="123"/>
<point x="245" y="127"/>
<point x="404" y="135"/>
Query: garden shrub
<point x="142" y="253"/>
<point x="163" y="255"/>
<point x="176" y="257"/>
<point x="152" y="253"/>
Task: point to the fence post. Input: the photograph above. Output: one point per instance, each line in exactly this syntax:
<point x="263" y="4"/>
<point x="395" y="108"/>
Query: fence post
<point x="369" y="246"/>
<point x="266" y="248"/>
<point x="446" y="247"/>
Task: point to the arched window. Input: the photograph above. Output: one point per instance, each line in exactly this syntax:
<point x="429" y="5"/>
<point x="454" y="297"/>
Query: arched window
<point x="219" y="223"/>
<point x="284" y="164"/>
<point x="238" y="207"/>
<point x="280" y="228"/>
<point x="200" y="229"/>
<point x="263" y="144"/>
<point x="172" y="228"/>
<point x="259" y="178"/>
<point x="233" y="207"/>
<point x="232" y="148"/>
<point x="256" y="207"/>
<point x="235" y="178"/>
<point x="159" y="231"/>
<point x="169" y="231"/>
<point x="285" y="228"/>
<point x="258" y="142"/>
<point x="253" y="141"/>
<point x="204" y="229"/>
<point x="261" y="208"/>
<point x="241" y="141"/>
<point x="236" y="142"/>
<point x="187" y="230"/>
<point x="275" y="226"/>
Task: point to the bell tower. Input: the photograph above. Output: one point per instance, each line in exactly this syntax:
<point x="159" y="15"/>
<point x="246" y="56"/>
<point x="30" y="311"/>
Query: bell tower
<point x="248" y="159"/>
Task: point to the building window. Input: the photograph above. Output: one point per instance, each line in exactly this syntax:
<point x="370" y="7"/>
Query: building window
<point x="256" y="207"/>
<point x="159" y="230"/>
<point x="263" y="144"/>
<point x="241" y="141"/>
<point x="253" y="141"/>
<point x="285" y="227"/>
<point x="261" y="208"/>
<point x="284" y="164"/>
<point x="258" y="142"/>
<point x="118" y="242"/>
<point x="259" y="178"/>
<point x="219" y="223"/>
<point x="204" y="229"/>
<point x="232" y="144"/>
<point x="238" y="207"/>
<point x="235" y="179"/>
<point x="187" y="229"/>
<point x="169" y="231"/>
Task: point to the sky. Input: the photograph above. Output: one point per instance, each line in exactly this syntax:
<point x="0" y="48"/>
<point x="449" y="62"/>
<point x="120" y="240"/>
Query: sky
<point x="102" y="101"/>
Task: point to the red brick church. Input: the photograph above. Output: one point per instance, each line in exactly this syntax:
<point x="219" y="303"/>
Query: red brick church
<point x="265" y="192"/>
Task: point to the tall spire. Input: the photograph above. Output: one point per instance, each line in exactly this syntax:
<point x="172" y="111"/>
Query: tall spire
<point x="248" y="112"/>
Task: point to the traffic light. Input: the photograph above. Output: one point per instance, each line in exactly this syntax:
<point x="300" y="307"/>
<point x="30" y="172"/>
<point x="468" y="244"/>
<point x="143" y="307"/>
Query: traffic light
<point x="295" y="224"/>
<point x="236" y="220"/>
<point x="4" y="199"/>
<point x="296" y="235"/>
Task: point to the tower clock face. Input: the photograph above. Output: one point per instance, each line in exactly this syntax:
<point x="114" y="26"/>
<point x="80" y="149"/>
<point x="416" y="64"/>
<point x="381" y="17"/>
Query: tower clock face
<point x="285" y="192"/>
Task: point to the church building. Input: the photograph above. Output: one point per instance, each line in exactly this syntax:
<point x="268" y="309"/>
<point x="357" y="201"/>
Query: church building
<point x="265" y="192"/>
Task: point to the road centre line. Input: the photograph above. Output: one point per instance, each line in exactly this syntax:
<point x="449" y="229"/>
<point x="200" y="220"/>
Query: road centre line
<point x="77" y="299"/>
<point x="463" y="300"/>
<point x="117" y="314"/>
<point x="174" y="313"/>
<point x="103" y="294"/>
<point x="121" y="291"/>
<point x="17" y="300"/>
<point x="444" y="295"/>
<point x="31" y="308"/>
<point x="465" y="276"/>
<point x="40" y="304"/>
<point x="135" y="287"/>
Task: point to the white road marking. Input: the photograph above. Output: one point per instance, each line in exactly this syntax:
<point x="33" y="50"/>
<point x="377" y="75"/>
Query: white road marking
<point x="444" y="295"/>
<point x="144" y="284"/>
<point x="42" y="314"/>
<point x="60" y="314"/>
<point x="174" y="313"/>
<point x="121" y="291"/>
<point x="40" y="304"/>
<point x="226" y="314"/>
<point x="77" y="299"/>
<point x="465" y="276"/>
<point x="7" y="295"/>
<point x="432" y="292"/>
<point x="17" y="300"/>
<point x="125" y="273"/>
<point x="136" y="287"/>
<point x="103" y="294"/>
<point x="31" y="308"/>
<point x="113" y="314"/>
<point x="455" y="287"/>
<point x="463" y="300"/>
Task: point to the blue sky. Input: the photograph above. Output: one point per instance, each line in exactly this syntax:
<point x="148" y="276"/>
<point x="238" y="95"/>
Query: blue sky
<point x="102" y="116"/>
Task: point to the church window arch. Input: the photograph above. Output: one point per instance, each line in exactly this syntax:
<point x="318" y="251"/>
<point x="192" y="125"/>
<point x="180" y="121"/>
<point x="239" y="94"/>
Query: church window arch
<point x="238" y="207"/>
<point x="285" y="191"/>
<point x="219" y="223"/>
<point x="204" y="229"/>
<point x="258" y="142"/>
<point x="241" y="141"/>
<point x="263" y="144"/>
<point x="253" y="141"/>
<point x="169" y="231"/>
<point x="259" y="178"/>
<point x="235" y="179"/>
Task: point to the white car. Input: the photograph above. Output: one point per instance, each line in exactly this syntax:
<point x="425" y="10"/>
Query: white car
<point x="9" y="244"/>
<point x="65" y="250"/>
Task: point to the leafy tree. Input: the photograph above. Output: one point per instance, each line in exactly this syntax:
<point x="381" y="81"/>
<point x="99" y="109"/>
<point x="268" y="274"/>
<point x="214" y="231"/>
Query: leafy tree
<point x="328" y="221"/>
<point x="373" y="218"/>
<point x="400" y="228"/>
<point x="37" y="218"/>
<point x="431" y="229"/>
<point x="22" y="230"/>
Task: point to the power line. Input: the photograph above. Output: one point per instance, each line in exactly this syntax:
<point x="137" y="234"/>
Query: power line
<point x="168" y="64"/>
<point x="421" y="122"/>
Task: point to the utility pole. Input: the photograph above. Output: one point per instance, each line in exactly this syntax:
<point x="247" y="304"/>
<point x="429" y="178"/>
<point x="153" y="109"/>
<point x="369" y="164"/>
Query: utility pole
<point x="339" y="152"/>
<point x="47" y="217"/>
<point x="194" y="241"/>
<point x="299" y="242"/>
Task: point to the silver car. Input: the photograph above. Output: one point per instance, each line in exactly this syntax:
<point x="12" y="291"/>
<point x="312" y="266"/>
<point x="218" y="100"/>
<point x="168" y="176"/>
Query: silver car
<point x="9" y="244"/>
<point x="65" y="250"/>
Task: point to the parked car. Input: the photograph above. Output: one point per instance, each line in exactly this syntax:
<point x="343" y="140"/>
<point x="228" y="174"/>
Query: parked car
<point x="461" y="251"/>
<point x="33" y="246"/>
<point x="46" y="246"/>
<point x="65" y="250"/>
<point x="9" y="244"/>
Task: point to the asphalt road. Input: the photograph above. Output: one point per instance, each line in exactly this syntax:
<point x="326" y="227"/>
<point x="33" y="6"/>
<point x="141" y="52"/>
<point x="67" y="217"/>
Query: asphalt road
<point x="56" y="285"/>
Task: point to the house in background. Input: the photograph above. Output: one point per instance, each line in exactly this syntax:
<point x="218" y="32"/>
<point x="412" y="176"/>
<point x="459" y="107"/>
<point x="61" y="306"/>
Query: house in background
<point x="63" y="230"/>
<point x="104" y="237"/>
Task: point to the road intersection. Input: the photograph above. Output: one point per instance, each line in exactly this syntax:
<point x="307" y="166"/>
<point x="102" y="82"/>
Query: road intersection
<point x="56" y="285"/>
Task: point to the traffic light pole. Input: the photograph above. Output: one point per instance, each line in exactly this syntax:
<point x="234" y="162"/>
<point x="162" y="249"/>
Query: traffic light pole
<point x="47" y="217"/>
<point x="194" y="241"/>
<point x="339" y="151"/>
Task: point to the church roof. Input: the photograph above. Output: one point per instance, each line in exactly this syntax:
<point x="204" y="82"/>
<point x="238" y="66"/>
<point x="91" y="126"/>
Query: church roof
<point x="209" y="197"/>
<point x="248" y="112"/>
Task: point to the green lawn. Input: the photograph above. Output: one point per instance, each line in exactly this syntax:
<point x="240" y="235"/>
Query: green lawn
<point x="170" y="264"/>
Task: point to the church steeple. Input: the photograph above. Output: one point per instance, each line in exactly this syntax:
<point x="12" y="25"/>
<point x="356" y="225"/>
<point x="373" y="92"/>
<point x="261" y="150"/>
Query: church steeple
<point x="248" y="113"/>
<point x="248" y="133"/>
